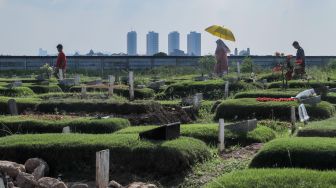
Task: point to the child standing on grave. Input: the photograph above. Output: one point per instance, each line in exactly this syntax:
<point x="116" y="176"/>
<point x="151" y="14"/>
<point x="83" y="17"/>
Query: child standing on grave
<point x="61" y="61"/>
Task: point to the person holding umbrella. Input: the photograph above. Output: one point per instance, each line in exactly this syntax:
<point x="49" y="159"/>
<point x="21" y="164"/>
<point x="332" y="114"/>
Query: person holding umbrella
<point x="222" y="50"/>
<point x="221" y="67"/>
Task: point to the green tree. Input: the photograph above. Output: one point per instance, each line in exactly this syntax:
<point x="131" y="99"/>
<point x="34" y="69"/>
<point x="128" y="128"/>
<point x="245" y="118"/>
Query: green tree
<point x="207" y="63"/>
<point x="332" y="64"/>
<point x="247" y="65"/>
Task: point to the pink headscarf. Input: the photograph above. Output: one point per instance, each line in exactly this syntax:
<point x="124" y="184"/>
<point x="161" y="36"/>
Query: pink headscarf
<point x="221" y="44"/>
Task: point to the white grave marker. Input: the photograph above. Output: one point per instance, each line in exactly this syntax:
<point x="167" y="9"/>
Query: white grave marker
<point x="131" y="85"/>
<point x="2" y="184"/>
<point x="221" y="135"/>
<point x="66" y="130"/>
<point x="226" y="90"/>
<point x="238" y="69"/>
<point x="102" y="168"/>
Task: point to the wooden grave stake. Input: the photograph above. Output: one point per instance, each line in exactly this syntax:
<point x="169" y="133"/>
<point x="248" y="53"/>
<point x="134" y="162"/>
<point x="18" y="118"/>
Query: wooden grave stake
<point x="60" y="74"/>
<point x="83" y="91"/>
<point x="102" y="168"/>
<point x="131" y="85"/>
<point x="13" y="109"/>
<point x="111" y="84"/>
<point x="226" y="90"/>
<point x="77" y="79"/>
<point x="238" y="70"/>
<point x="221" y="136"/>
<point x="293" y="119"/>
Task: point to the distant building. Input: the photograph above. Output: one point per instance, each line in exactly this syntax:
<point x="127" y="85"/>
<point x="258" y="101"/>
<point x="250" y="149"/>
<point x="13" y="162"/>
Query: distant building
<point x="194" y="44"/>
<point x="43" y="52"/>
<point x="245" y="52"/>
<point x="152" y="43"/>
<point x="236" y="52"/>
<point x="177" y="52"/>
<point x="132" y="43"/>
<point x="173" y="42"/>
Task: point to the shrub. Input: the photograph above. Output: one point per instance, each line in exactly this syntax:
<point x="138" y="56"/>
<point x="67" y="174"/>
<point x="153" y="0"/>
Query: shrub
<point x="45" y="88"/>
<point x="35" y="124"/>
<point x="207" y="63"/>
<point x="266" y="93"/>
<point x="211" y="89"/>
<point x="332" y="64"/>
<point x="315" y="153"/>
<point x="16" y="92"/>
<point x="66" y="152"/>
<point x="22" y="104"/>
<point x="248" y="107"/>
<point x="209" y="134"/>
<point x="303" y="84"/>
<point x="144" y="93"/>
<point x="102" y="106"/>
<point x="271" y="77"/>
<point x="326" y="128"/>
<point x="273" y="178"/>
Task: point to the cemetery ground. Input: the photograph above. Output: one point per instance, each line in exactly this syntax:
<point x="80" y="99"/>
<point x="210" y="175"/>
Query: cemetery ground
<point x="65" y="123"/>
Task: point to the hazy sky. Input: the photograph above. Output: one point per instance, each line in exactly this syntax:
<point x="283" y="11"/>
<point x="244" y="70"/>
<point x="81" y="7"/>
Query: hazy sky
<point x="265" y="26"/>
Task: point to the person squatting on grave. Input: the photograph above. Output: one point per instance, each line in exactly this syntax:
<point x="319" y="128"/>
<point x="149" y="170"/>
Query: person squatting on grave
<point x="300" y="62"/>
<point x="222" y="66"/>
<point x="61" y="62"/>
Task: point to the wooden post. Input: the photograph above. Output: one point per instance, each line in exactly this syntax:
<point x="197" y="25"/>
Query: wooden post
<point x="131" y="85"/>
<point x="83" y="91"/>
<point x="226" y="91"/>
<point x="293" y="119"/>
<point x="238" y="70"/>
<point x="77" y="79"/>
<point x="221" y="136"/>
<point x="13" y="109"/>
<point x="111" y="84"/>
<point x="102" y="168"/>
<point x="60" y="74"/>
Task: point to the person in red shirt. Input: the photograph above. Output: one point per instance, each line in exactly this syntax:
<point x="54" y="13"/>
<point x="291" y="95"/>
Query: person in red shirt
<point x="61" y="61"/>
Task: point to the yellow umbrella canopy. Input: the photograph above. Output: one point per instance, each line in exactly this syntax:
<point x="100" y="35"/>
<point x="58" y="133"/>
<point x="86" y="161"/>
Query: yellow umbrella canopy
<point x="221" y="32"/>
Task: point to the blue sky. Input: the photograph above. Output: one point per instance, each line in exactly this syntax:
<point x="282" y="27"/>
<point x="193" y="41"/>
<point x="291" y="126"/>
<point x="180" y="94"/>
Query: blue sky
<point x="265" y="26"/>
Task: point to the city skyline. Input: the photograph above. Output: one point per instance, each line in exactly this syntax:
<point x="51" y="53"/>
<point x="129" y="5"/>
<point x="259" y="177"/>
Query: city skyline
<point x="266" y="26"/>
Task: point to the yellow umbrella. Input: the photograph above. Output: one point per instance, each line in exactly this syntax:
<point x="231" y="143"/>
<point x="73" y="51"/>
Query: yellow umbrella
<point x="221" y="32"/>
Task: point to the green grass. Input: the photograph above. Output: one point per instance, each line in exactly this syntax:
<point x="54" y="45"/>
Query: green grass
<point x="308" y="152"/>
<point x="273" y="178"/>
<point x="66" y="152"/>
<point x="326" y="128"/>
<point x="249" y="107"/>
<point x="209" y="133"/>
<point x="55" y="124"/>
<point x="16" y="92"/>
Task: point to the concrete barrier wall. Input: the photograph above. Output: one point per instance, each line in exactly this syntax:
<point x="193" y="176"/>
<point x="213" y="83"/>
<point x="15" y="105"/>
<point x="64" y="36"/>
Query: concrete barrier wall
<point x="135" y="62"/>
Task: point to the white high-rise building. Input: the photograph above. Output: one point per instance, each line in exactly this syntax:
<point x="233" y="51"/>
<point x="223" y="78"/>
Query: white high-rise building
<point x="173" y="42"/>
<point x="43" y="52"/>
<point x="132" y="43"/>
<point x="152" y="43"/>
<point x="194" y="44"/>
